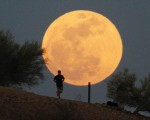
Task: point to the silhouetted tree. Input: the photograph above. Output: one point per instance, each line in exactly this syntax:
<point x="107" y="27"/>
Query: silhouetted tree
<point x="122" y="89"/>
<point x="141" y="95"/>
<point x="19" y="64"/>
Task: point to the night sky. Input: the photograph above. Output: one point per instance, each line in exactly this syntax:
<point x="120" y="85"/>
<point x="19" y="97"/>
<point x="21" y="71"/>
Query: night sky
<point x="28" y="20"/>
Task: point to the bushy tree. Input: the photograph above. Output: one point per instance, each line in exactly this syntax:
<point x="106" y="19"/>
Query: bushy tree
<point x="122" y="89"/>
<point x="19" y="64"/>
<point x="141" y="96"/>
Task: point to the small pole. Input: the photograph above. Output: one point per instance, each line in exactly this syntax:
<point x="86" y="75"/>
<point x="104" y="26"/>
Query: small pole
<point x="89" y="92"/>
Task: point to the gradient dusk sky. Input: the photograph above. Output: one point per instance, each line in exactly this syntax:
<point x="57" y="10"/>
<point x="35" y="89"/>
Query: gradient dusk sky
<point x="29" y="19"/>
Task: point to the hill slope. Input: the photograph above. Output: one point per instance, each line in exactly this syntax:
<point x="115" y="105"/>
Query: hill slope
<point x="16" y="104"/>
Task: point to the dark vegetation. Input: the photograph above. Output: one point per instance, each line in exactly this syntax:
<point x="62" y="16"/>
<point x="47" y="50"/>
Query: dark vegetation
<point x="16" y="104"/>
<point x="124" y="90"/>
<point x="19" y="64"/>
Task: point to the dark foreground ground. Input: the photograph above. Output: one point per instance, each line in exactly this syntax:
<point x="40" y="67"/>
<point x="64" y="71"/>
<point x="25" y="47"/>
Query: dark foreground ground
<point x="16" y="104"/>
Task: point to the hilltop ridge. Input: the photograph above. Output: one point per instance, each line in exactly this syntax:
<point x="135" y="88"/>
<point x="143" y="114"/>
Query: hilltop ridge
<point x="17" y="104"/>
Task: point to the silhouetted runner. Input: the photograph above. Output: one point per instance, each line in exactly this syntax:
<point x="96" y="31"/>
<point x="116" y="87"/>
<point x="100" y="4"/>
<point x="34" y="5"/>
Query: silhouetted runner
<point x="59" y="79"/>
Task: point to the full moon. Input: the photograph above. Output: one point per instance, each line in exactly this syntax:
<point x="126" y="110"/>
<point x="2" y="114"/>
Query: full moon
<point x="84" y="45"/>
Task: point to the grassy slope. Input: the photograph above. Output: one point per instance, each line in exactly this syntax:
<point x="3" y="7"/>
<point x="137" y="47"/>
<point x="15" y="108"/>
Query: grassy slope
<point x="16" y="104"/>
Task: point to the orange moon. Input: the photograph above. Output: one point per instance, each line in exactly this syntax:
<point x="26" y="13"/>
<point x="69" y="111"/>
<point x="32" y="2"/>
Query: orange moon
<point x="84" y="45"/>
